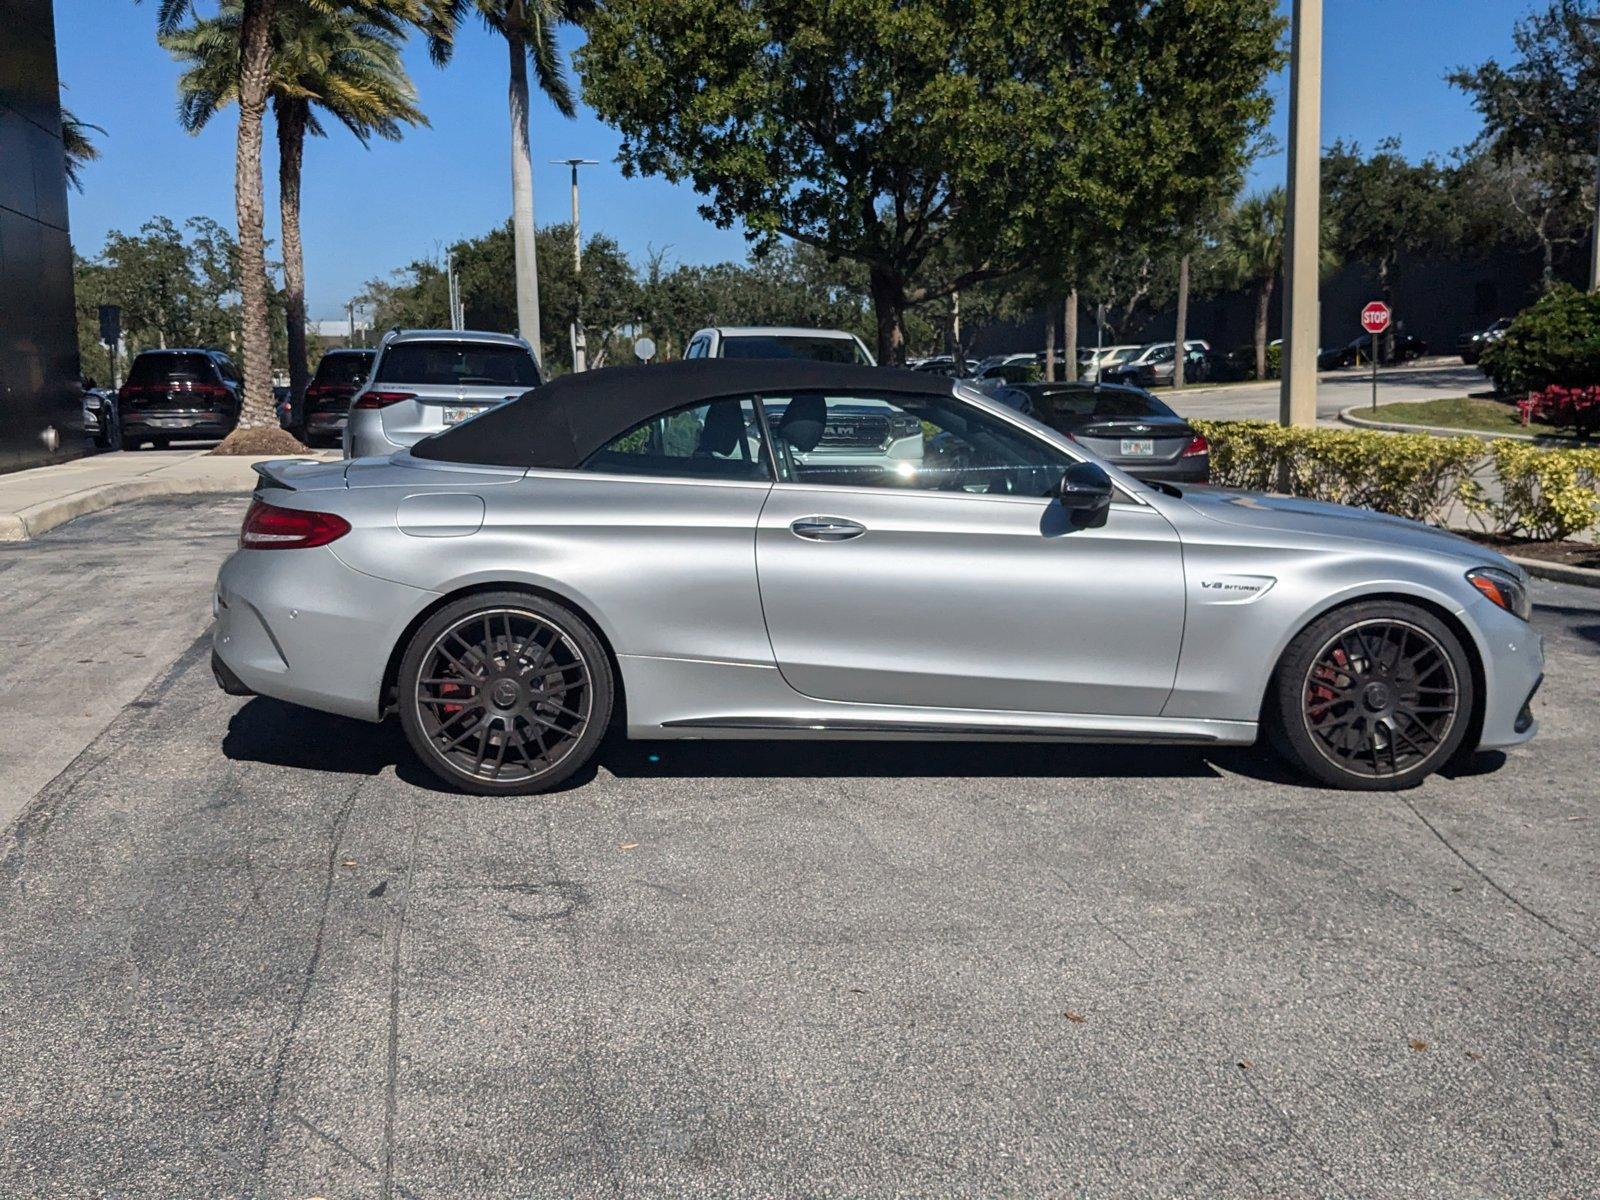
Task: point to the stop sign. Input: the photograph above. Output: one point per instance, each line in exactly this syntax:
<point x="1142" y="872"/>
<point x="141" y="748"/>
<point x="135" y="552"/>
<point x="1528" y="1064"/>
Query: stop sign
<point x="1375" y="317"/>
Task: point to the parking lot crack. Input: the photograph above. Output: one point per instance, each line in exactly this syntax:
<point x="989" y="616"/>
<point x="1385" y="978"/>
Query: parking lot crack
<point x="1514" y="901"/>
<point x="280" y="1066"/>
<point x="391" y="1082"/>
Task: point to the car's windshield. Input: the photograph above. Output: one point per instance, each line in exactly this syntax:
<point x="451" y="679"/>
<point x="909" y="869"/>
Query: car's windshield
<point x="459" y="364"/>
<point x="787" y="345"/>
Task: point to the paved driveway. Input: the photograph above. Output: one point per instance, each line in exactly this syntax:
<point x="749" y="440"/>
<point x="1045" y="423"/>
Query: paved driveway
<point x="1437" y="380"/>
<point x="248" y="950"/>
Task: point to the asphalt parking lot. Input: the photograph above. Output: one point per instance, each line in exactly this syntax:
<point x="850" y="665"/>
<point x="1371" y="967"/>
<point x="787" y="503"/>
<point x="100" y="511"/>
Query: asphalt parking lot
<point x="250" y="950"/>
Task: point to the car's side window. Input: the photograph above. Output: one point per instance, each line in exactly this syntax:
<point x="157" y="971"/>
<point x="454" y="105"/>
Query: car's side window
<point x="931" y="443"/>
<point x="697" y="348"/>
<point x="717" y="440"/>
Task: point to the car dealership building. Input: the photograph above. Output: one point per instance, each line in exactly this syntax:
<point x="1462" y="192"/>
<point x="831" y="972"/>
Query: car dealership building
<point x="41" y="414"/>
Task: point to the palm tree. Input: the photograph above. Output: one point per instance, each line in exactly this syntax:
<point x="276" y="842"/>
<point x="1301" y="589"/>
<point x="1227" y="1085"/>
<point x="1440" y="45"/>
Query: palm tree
<point x="1252" y="254"/>
<point x="529" y="28"/>
<point x="77" y="146"/>
<point x="339" y="62"/>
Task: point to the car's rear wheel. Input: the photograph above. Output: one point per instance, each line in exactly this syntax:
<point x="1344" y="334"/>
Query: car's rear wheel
<point x="505" y="693"/>
<point x="1372" y="697"/>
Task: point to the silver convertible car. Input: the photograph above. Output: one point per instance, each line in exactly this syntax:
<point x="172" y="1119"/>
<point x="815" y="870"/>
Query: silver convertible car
<point x="745" y="549"/>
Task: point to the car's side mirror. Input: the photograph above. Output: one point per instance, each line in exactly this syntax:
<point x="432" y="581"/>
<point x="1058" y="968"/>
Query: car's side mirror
<point x="1085" y="489"/>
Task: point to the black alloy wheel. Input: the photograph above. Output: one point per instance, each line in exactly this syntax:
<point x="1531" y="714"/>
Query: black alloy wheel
<point x="1373" y="697"/>
<point x="505" y="693"/>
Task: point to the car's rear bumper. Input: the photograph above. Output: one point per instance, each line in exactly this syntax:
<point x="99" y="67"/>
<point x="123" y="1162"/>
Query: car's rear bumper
<point x="365" y="436"/>
<point x="176" y="425"/>
<point x="299" y="625"/>
<point x="1196" y="468"/>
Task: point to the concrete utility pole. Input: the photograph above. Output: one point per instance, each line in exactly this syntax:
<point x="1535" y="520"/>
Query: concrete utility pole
<point x="1593" y="23"/>
<point x="580" y="339"/>
<point x="1297" y="397"/>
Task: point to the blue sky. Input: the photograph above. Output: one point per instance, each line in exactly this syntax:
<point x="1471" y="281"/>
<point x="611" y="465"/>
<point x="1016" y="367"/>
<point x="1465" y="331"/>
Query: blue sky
<point x="367" y="212"/>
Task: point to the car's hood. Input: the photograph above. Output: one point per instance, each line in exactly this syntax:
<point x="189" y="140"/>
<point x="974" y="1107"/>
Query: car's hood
<point x="1311" y="521"/>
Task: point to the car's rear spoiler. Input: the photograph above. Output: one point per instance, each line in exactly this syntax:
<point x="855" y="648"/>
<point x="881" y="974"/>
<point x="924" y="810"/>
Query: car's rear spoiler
<point x="271" y="472"/>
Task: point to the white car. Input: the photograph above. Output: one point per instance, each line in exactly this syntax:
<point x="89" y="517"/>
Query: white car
<point x="779" y="341"/>
<point x="1094" y="359"/>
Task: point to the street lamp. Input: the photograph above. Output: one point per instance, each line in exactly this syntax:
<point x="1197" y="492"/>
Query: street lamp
<point x="1594" y="245"/>
<point x="580" y="340"/>
<point x="1297" y="395"/>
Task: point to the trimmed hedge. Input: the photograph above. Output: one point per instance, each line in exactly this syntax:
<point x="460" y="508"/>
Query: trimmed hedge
<point x="1543" y="494"/>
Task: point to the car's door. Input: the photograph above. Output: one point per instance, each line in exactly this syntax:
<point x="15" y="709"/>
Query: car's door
<point x="955" y="580"/>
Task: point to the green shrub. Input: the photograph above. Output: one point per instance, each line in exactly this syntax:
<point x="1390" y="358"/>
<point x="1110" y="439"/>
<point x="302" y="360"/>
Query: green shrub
<point x="1556" y="342"/>
<point x="1275" y="362"/>
<point x="1543" y="494"/>
<point x="1408" y="474"/>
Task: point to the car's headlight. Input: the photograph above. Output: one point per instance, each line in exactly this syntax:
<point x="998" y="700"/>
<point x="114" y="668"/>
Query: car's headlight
<point x="1503" y="588"/>
<point x="91" y="401"/>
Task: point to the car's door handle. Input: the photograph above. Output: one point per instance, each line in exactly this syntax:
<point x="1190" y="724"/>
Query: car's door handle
<point x="827" y="529"/>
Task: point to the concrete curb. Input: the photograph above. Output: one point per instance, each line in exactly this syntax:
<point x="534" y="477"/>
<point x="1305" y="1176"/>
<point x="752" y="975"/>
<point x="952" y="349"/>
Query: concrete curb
<point x="32" y="521"/>
<point x="1558" y="572"/>
<point x="1348" y="417"/>
<point x="39" y="500"/>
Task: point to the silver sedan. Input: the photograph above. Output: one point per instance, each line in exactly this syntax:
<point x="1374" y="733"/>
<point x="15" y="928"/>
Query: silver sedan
<point x="754" y="549"/>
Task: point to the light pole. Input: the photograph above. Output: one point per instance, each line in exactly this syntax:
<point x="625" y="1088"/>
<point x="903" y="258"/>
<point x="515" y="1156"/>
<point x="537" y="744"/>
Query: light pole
<point x="1593" y="23"/>
<point x="1297" y="395"/>
<point x="580" y="340"/>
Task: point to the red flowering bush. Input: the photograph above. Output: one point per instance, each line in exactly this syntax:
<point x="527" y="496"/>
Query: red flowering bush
<point x="1576" y="408"/>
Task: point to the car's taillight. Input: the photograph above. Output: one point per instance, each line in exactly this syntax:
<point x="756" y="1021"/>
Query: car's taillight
<point x="1198" y="446"/>
<point x="383" y="399"/>
<point x="268" y="527"/>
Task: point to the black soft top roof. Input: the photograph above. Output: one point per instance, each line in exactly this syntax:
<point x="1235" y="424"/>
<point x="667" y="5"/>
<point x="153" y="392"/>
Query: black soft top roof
<point x="562" y="423"/>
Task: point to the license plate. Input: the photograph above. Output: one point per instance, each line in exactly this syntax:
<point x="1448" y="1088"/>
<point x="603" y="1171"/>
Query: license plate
<point x="167" y="422"/>
<point x="1138" y="447"/>
<point x="454" y="416"/>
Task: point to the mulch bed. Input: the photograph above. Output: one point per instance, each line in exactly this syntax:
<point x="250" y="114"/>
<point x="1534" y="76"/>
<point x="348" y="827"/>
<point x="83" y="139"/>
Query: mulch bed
<point x="1567" y="554"/>
<point x="270" y="440"/>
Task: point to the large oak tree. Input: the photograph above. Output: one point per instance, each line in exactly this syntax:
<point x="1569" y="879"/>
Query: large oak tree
<point x="884" y="131"/>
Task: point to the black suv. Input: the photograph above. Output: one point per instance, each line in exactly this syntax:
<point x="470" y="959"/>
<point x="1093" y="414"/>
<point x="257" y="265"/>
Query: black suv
<point x="321" y="413"/>
<point x="182" y="394"/>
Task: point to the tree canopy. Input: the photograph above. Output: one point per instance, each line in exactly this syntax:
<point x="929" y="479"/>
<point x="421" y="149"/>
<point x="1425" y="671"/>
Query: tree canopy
<point x="884" y="131"/>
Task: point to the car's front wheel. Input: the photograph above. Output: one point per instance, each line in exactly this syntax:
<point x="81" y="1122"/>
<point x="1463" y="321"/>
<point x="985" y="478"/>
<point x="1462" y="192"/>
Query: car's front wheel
<point x="1373" y="697"/>
<point x="505" y="693"/>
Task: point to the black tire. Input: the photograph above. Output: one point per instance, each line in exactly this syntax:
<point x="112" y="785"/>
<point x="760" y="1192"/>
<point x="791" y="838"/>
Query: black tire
<point x="1374" y="696"/>
<point x="501" y="676"/>
<point x="159" y="443"/>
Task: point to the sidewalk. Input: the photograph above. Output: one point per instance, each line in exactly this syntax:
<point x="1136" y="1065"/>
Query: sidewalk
<point x="44" y="497"/>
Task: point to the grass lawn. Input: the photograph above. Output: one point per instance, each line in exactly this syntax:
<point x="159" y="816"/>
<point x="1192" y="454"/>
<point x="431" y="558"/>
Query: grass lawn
<point x="1458" y="412"/>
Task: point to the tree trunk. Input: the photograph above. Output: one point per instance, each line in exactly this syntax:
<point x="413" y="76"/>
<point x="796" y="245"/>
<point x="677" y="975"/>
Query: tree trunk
<point x="255" y="53"/>
<point x="1180" y="332"/>
<point x="291" y="151"/>
<point x="1263" y="308"/>
<point x="888" y="307"/>
<point x="527" y="263"/>
<point x="1049" y="346"/>
<point x="1069" y="321"/>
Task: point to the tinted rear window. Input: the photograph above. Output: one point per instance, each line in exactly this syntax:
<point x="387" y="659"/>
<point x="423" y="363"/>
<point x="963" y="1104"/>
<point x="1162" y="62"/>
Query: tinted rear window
<point x="343" y="368"/>
<point x="814" y="349"/>
<point x="1089" y="402"/>
<point x="465" y="364"/>
<point x="151" y="369"/>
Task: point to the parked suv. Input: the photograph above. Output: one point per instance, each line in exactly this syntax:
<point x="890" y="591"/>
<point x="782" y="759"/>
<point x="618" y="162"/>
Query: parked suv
<point x="778" y="341"/>
<point x="322" y="411"/>
<point x="426" y="380"/>
<point x="182" y="394"/>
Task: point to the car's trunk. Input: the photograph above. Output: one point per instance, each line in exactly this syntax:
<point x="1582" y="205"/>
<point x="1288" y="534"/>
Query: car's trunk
<point x="1136" y="439"/>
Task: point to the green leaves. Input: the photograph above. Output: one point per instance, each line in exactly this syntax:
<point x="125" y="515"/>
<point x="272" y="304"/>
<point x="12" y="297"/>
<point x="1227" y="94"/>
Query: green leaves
<point x="936" y="142"/>
<point x="1556" y="341"/>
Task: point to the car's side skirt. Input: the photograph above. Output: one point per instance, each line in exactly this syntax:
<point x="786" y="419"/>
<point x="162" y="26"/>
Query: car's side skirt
<point x="681" y="698"/>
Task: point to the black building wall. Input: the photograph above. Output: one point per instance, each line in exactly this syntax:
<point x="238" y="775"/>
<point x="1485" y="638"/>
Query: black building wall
<point x="39" y="389"/>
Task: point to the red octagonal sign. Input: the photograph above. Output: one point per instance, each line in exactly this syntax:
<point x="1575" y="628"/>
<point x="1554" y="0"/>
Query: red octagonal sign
<point x="1375" y="317"/>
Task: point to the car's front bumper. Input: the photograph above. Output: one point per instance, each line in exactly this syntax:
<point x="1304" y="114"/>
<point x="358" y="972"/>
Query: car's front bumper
<point x="1513" y="665"/>
<point x="299" y="625"/>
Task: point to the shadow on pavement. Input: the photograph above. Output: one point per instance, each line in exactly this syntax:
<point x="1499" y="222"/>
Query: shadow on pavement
<point x="285" y="735"/>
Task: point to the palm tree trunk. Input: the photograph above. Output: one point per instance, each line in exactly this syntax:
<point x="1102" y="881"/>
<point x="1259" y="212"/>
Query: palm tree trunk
<point x="1263" y="308"/>
<point x="291" y="151"/>
<point x="1180" y="333"/>
<point x="255" y="52"/>
<point x="1049" y="346"/>
<point x="527" y="262"/>
<point x="1069" y="322"/>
